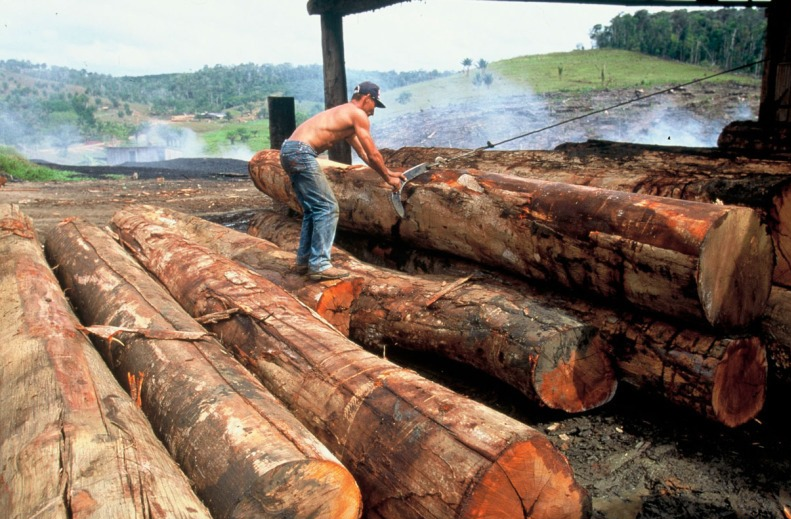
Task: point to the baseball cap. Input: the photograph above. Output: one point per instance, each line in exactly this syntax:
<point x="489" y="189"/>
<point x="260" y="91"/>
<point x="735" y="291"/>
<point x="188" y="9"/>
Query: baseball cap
<point x="372" y="89"/>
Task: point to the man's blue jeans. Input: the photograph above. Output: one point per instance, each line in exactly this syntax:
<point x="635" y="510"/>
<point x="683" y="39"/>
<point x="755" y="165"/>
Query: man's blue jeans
<point x="319" y="206"/>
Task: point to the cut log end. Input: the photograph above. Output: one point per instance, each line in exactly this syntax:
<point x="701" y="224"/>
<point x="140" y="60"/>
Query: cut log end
<point x="336" y="300"/>
<point x="576" y="379"/>
<point x="740" y="382"/>
<point x="735" y="276"/>
<point x="530" y="479"/>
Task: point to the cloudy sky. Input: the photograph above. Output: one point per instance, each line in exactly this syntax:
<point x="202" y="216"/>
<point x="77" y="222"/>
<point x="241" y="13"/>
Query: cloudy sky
<point x="143" y="37"/>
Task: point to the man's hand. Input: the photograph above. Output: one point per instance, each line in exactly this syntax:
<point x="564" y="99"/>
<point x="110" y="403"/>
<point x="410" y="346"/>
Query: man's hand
<point x="395" y="179"/>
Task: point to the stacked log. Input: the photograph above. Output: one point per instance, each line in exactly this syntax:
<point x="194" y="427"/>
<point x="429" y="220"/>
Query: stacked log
<point x="700" y="175"/>
<point x="72" y="443"/>
<point x="552" y="359"/>
<point x="754" y="136"/>
<point x="696" y="261"/>
<point x="722" y="378"/>
<point x="776" y="327"/>
<point x="245" y="453"/>
<point x="416" y="449"/>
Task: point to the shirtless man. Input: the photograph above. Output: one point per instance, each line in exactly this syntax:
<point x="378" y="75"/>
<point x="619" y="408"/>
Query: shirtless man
<point x="298" y="154"/>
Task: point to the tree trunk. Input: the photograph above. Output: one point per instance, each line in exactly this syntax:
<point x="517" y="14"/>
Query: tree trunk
<point x="696" y="261"/>
<point x="776" y="326"/>
<point x="722" y="378"/>
<point x="700" y="175"/>
<point x="550" y="358"/>
<point x="245" y="453"/>
<point x="417" y="449"/>
<point x="73" y="443"/>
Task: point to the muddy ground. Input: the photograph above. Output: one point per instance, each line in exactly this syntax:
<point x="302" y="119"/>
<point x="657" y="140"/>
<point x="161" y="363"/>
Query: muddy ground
<point x="638" y="457"/>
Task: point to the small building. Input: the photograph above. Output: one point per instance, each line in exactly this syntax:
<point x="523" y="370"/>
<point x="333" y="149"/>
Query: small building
<point x="119" y="155"/>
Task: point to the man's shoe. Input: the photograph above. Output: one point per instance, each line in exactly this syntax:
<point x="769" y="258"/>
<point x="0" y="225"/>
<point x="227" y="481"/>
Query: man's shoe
<point x="330" y="273"/>
<point x="301" y="269"/>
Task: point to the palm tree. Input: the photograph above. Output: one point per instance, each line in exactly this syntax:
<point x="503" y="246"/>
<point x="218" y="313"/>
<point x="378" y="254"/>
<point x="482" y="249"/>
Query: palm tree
<point x="466" y="63"/>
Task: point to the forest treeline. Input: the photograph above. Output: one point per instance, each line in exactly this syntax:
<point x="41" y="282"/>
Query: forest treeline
<point x="726" y="38"/>
<point x="210" y="89"/>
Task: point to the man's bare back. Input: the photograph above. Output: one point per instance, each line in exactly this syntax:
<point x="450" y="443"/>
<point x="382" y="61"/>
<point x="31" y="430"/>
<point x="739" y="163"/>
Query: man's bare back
<point x="328" y="127"/>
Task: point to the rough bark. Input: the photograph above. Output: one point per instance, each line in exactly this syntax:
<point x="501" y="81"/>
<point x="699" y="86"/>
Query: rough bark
<point x="776" y="326"/>
<point x="719" y="377"/>
<point x="72" y="443"/>
<point x="696" y="174"/>
<point x="245" y="453"/>
<point x="417" y="449"/>
<point x="700" y="262"/>
<point x="550" y="358"/>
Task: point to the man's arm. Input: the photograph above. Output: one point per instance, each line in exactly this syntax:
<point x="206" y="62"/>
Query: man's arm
<point x="363" y="144"/>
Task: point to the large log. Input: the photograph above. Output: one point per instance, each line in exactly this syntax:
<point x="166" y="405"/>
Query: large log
<point x="246" y="454"/>
<point x="700" y="262"/>
<point x="776" y="327"/>
<point x="72" y="443"/>
<point x="417" y="449"/>
<point x="550" y="358"/>
<point x="697" y="174"/>
<point x="722" y="378"/>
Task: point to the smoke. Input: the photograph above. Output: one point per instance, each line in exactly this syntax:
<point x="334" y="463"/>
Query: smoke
<point x="65" y="145"/>
<point x="473" y="117"/>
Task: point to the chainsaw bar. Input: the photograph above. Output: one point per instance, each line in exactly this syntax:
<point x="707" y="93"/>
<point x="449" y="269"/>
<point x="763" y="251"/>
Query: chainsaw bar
<point x="395" y="196"/>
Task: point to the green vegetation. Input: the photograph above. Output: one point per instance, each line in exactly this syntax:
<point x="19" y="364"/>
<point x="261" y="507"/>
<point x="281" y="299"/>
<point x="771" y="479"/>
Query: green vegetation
<point x="13" y="164"/>
<point x="254" y="135"/>
<point x="726" y="38"/>
<point x="603" y="68"/>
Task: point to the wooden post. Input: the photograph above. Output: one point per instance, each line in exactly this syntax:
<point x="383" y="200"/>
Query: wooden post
<point x="335" y="88"/>
<point x="72" y="442"/>
<point x="282" y="120"/>
<point x="246" y="454"/>
<point x="776" y="85"/>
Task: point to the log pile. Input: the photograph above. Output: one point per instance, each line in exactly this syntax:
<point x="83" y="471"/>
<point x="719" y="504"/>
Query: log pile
<point x="72" y="443"/>
<point x="416" y="449"/>
<point x="695" y="261"/>
<point x="245" y="453"/>
<point x="723" y="378"/>
<point x="551" y="358"/>
<point x="701" y="175"/>
<point x="656" y="252"/>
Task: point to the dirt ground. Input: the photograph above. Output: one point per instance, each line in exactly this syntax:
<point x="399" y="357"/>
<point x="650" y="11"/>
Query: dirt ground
<point x="638" y="457"/>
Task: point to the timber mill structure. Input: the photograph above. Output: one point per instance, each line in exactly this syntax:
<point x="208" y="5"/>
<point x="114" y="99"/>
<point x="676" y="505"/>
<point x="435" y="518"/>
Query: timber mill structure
<point x="774" y="116"/>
